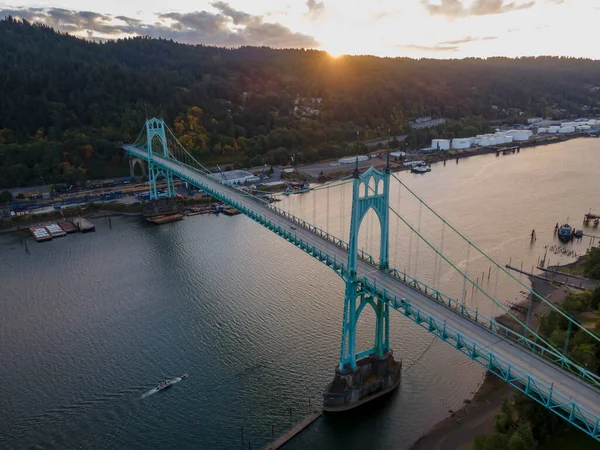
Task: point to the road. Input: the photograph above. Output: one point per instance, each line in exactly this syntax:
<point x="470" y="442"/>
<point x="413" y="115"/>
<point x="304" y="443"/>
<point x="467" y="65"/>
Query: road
<point x="564" y="383"/>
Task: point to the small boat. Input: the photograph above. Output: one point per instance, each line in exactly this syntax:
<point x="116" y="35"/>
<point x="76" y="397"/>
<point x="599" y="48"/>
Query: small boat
<point x="288" y="191"/>
<point x="421" y="169"/>
<point x="565" y="233"/>
<point x="168" y="383"/>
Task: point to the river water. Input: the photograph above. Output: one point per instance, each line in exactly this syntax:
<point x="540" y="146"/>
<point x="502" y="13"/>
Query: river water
<point x="90" y="323"/>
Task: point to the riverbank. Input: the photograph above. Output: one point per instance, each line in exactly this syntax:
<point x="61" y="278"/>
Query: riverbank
<point x="458" y="431"/>
<point x="476" y="418"/>
<point x="323" y="172"/>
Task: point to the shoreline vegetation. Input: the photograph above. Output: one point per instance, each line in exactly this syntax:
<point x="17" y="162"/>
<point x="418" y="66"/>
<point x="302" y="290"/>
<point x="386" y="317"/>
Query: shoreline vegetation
<point x="478" y="417"/>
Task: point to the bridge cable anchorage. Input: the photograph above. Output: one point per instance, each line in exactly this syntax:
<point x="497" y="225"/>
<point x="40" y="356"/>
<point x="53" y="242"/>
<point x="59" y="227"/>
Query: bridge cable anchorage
<point x="506" y="311"/>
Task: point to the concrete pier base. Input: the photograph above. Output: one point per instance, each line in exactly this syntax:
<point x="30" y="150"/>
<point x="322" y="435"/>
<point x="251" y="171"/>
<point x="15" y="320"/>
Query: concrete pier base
<point x="372" y="378"/>
<point x="166" y="205"/>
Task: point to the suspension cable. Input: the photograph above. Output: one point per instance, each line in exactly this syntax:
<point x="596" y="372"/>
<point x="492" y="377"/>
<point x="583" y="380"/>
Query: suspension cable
<point x="540" y="297"/>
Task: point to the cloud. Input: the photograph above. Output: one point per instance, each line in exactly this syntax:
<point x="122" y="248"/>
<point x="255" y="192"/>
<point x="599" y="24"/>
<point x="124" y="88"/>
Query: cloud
<point x="454" y="9"/>
<point x="468" y="39"/>
<point x="432" y="48"/>
<point x="446" y="46"/>
<point x="486" y="7"/>
<point x="226" y="27"/>
<point x="315" y="8"/>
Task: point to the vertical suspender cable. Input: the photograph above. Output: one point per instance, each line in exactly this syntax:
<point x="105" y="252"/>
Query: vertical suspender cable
<point x="327" y="215"/>
<point x="466" y="274"/>
<point x="418" y="240"/>
<point x="397" y="255"/>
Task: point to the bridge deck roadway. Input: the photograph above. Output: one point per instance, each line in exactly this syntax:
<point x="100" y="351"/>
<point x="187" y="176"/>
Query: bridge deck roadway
<point x="565" y="383"/>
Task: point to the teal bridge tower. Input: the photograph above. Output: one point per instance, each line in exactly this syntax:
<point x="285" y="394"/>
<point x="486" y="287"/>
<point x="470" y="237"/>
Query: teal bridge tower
<point x="156" y="135"/>
<point x="350" y="388"/>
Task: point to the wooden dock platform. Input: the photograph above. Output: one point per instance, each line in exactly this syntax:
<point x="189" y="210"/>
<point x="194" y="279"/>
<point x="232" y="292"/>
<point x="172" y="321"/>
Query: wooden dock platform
<point x="83" y="225"/>
<point x="40" y="234"/>
<point x="294" y="431"/>
<point x="159" y="220"/>
<point x="566" y="279"/>
<point x="55" y="230"/>
<point x="67" y="227"/>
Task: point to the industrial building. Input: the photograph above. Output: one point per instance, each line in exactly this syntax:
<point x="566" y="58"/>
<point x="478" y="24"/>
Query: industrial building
<point x="235" y="177"/>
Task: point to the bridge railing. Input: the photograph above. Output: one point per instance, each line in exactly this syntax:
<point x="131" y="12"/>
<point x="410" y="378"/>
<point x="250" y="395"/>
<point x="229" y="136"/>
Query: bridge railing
<point x="495" y="327"/>
<point x="540" y="390"/>
<point x="457" y="306"/>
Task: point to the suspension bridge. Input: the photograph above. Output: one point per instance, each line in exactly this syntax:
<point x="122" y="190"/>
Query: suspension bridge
<point x="525" y="360"/>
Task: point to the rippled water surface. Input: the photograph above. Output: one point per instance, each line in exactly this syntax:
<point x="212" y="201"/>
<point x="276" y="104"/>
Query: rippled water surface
<point x="89" y="323"/>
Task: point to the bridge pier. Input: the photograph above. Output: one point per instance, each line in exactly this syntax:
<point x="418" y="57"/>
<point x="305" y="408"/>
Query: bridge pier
<point x="366" y="375"/>
<point x="137" y="161"/>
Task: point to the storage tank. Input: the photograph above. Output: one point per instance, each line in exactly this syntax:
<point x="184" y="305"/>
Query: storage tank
<point x="569" y="129"/>
<point x="442" y="144"/>
<point x="520" y="135"/>
<point x="460" y="143"/>
<point x="352" y="159"/>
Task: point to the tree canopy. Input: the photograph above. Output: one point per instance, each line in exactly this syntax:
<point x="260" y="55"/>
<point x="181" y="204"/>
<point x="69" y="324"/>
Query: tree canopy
<point x="67" y="104"/>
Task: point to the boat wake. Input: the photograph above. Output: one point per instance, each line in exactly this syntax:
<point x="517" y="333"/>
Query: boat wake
<point x="150" y="392"/>
<point x="163" y="385"/>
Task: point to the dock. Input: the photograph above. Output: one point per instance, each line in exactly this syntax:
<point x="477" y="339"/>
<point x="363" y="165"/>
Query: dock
<point x="589" y="217"/>
<point x="55" y="230"/>
<point x="40" y="234"/>
<point x="566" y="279"/>
<point x="159" y="220"/>
<point x="67" y="227"/>
<point x="231" y="212"/>
<point x="294" y="431"/>
<point x="83" y="225"/>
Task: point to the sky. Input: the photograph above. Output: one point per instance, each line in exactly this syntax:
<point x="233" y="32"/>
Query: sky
<point x="413" y="28"/>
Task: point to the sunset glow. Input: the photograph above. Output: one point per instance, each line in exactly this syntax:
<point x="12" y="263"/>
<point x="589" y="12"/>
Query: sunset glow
<point x="415" y="28"/>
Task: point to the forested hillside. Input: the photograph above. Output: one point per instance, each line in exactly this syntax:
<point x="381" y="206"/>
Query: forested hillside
<point x="67" y="104"/>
